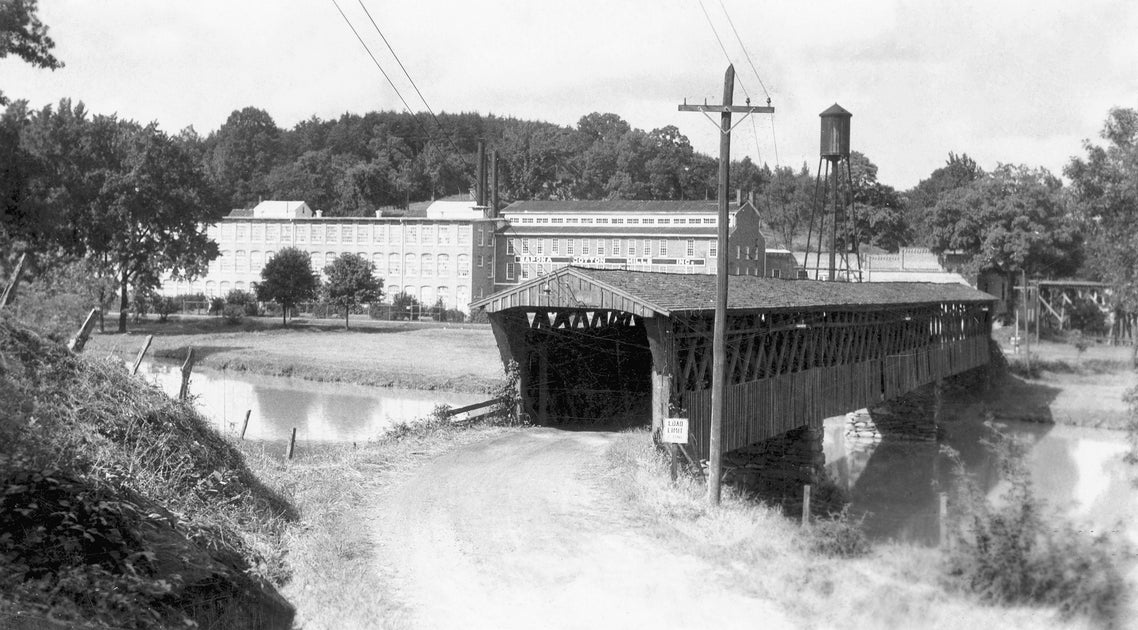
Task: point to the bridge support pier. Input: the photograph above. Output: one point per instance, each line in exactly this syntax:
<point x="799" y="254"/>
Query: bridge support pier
<point x="777" y="468"/>
<point x="914" y="415"/>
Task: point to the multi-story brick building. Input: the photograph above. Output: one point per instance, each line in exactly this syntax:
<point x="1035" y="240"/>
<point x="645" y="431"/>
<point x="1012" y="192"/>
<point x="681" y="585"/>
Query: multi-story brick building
<point x="438" y="257"/>
<point x="667" y="236"/>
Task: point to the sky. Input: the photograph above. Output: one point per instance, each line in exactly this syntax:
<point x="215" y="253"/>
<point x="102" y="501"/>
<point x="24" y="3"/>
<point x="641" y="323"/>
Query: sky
<point x="1005" y="82"/>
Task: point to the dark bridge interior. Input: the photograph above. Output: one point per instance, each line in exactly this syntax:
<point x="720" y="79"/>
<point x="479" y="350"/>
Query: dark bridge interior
<point x="590" y="369"/>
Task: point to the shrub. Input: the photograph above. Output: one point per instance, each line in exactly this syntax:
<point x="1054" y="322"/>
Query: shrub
<point x="163" y="306"/>
<point x="1020" y="552"/>
<point x="233" y="313"/>
<point x="1086" y="316"/>
<point x="246" y="300"/>
<point x="216" y="305"/>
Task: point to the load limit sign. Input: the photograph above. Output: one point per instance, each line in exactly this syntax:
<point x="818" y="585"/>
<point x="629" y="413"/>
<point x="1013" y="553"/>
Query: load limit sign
<point x="675" y="431"/>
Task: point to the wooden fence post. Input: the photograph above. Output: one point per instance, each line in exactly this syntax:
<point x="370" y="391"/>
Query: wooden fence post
<point x="187" y="367"/>
<point x="80" y="339"/>
<point x="141" y="353"/>
<point x="10" y="290"/>
<point x="806" y="505"/>
<point x="942" y="520"/>
<point x="246" y="424"/>
<point x="292" y="443"/>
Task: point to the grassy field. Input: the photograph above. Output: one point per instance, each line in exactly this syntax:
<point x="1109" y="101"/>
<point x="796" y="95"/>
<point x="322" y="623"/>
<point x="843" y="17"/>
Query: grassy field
<point x="458" y="357"/>
<point x="1060" y="384"/>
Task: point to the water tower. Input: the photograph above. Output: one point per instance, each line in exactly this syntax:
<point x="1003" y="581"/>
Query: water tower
<point x="832" y="204"/>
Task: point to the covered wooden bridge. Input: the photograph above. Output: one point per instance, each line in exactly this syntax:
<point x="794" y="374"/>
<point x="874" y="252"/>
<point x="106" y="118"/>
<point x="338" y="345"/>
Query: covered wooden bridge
<point x="599" y="344"/>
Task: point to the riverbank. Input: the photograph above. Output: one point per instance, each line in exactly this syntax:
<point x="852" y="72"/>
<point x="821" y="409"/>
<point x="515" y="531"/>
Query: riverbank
<point x="407" y="355"/>
<point x="1061" y="385"/>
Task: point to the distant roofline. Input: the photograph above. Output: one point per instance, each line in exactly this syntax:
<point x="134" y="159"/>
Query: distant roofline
<point x="626" y="206"/>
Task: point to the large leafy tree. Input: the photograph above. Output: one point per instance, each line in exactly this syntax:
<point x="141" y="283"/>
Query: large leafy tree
<point x="786" y="202"/>
<point x="23" y="34"/>
<point x="244" y="151"/>
<point x="1104" y="186"/>
<point x="130" y="199"/>
<point x="351" y="281"/>
<point x="287" y="279"/>
<point x="958" y="171"/>
<point x="149" y="214"/>
<point x="878" y="211"/>
<point x="1011" y="220"/>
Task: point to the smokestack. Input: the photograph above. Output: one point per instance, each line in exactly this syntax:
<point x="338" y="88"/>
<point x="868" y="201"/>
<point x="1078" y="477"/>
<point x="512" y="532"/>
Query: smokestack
<point x="493" y="184"/>
<point x="738" y="196"/>
<point x="751" y="198"/>
<point x="480" y="186"/>
<point x="319" y="213"/>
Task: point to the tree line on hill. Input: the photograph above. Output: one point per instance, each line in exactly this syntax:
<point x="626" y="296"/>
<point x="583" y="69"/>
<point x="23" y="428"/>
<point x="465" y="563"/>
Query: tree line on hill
<point x="129" y="200"/>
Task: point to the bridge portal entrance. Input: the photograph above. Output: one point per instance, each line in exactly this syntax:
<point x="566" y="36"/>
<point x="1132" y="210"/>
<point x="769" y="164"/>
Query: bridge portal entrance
<point x="582" y="366"/>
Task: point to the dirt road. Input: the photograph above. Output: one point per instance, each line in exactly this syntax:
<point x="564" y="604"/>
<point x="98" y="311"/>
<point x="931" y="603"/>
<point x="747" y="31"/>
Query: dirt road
<point x="519" y="532"/>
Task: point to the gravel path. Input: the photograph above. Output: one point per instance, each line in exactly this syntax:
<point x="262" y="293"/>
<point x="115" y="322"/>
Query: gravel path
<point x="517" y="532"/>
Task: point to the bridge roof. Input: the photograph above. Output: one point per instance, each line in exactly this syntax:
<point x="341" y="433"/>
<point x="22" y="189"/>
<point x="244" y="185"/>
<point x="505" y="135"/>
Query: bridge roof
<point x="647" y="293"/>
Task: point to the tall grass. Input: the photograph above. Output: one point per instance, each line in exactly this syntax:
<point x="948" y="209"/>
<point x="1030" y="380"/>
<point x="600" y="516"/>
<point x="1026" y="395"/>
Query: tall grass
<point x="764" y="554"/>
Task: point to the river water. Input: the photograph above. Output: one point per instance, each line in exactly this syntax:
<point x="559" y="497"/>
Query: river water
<point x="894" y="483"/>
<point x="325" y="412"/>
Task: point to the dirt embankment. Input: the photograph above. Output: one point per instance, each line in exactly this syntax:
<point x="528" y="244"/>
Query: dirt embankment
<point x="122" y="507"/>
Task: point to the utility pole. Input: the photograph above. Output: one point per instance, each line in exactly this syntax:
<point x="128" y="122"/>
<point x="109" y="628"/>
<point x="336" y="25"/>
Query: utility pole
<point x="719" y="335"/>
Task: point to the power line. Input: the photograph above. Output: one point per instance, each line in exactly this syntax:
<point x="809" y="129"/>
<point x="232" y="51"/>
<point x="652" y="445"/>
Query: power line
<point x="745" y="53"/>
<point x="412" y="81"/>
<point x="755" y="70"/>
<point x="381" y="70"/>
<point x="726" y="54"/>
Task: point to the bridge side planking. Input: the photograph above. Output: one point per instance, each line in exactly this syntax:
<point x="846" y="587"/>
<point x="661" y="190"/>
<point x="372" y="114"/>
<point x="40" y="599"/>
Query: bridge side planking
<point x="858" y="360"/>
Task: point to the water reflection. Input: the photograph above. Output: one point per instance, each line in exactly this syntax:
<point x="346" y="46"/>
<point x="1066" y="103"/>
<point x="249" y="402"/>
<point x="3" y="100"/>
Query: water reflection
<point x="320" y="411"/>
<point x="894" y="483"/>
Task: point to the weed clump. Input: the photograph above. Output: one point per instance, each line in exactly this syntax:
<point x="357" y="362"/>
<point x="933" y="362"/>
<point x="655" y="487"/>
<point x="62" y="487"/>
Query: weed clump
<point x="1019" y="552"/>
<point x="838" y="536"/>
<point x="505" y="412"/>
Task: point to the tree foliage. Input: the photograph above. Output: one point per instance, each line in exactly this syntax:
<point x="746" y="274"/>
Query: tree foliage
<point x="958" y="170"/>
<point x="23" y="34"/>
<point x="287" y="279"/>
<point x="1013" y="219"/>
<point x="878" y="211"/>
<point x="127" y="197"/>
<point x="1104" y="187"/>
<point x="351" y="281"/>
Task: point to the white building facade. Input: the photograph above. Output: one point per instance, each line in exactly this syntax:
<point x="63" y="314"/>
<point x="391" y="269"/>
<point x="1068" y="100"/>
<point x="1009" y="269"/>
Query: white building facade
<point x="430" y="258"/>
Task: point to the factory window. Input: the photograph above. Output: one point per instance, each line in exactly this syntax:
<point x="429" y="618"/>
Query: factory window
<point x="691" y="247"/>
<point x="615" y="247"/>
<point x="663" y="247"/>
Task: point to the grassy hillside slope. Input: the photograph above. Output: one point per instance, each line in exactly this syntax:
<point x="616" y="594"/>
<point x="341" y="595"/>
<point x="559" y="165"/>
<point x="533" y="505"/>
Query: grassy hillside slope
<point x="122" y="507"/>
